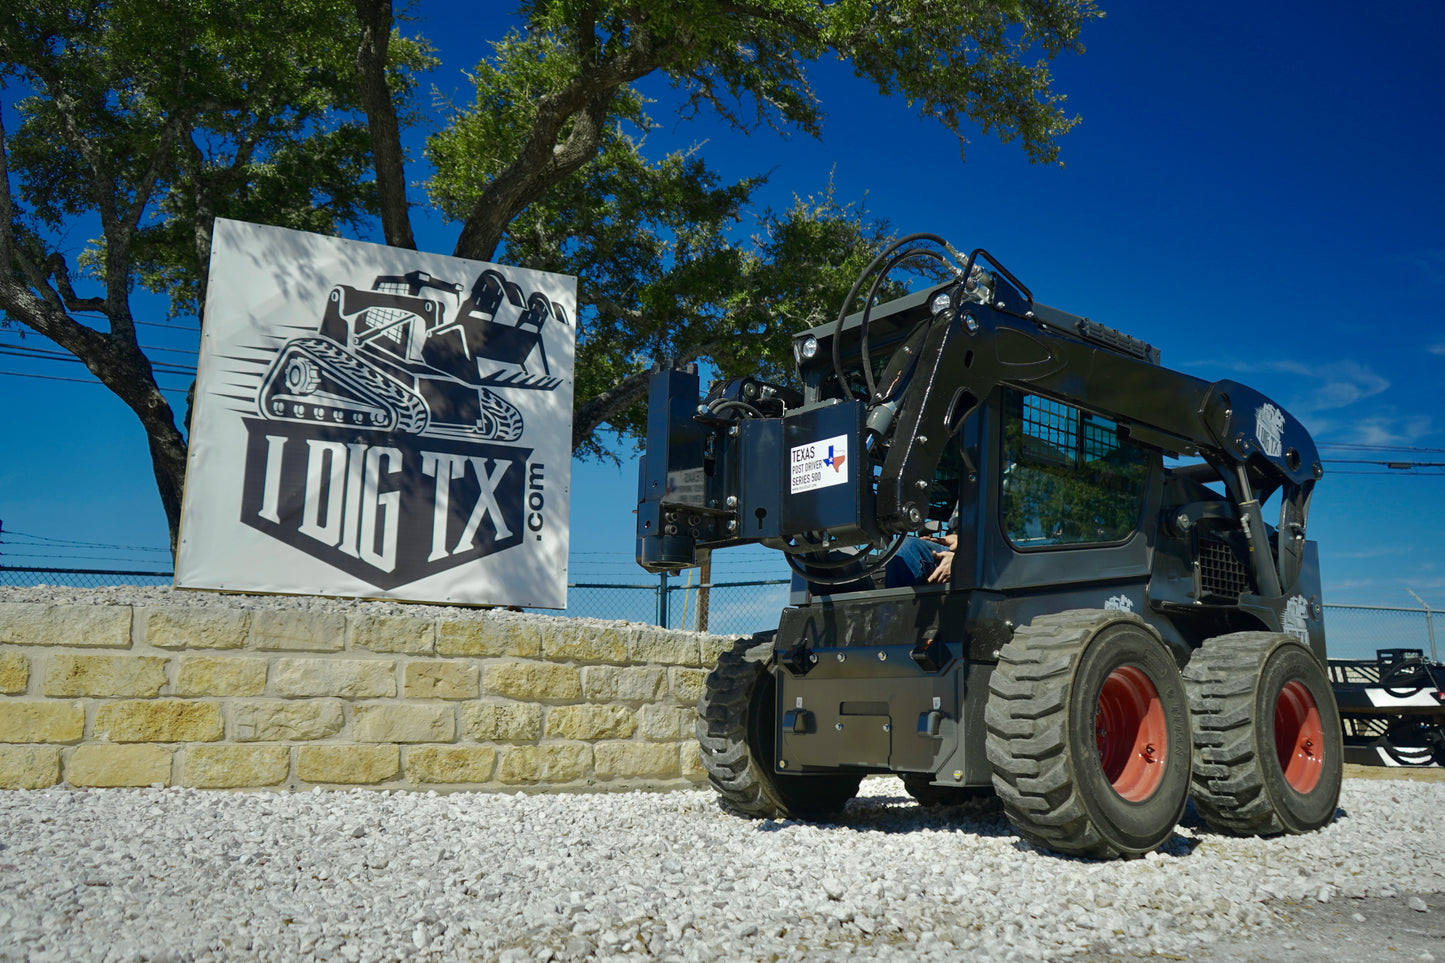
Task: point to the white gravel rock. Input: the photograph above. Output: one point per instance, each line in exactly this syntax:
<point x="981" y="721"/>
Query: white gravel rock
<point x="190" y="875"/>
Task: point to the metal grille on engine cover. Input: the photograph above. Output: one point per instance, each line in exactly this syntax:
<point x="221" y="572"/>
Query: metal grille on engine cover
<point x="1221" y="574"/>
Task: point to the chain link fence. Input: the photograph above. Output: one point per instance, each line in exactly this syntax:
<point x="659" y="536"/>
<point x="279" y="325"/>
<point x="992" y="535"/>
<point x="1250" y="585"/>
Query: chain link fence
<point x="726" y="608"/>
<point x="19" y="575"/>
<point x="744" y="607"/>
<point x="1357" y="631"/>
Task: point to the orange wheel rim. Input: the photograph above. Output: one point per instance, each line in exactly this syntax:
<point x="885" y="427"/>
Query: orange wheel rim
<point x="1132" y="736"/>
<point x="1299" y="737"/>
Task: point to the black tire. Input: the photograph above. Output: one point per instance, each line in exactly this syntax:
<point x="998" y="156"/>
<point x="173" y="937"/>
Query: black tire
<point x="1088" y="734"/>
<point x="926" y="794"/>
<point x="1268" y="749"/>
<point x="737" y="731"/>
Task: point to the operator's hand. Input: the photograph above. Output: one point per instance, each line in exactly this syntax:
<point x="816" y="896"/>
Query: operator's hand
<point x="943" y="564"/>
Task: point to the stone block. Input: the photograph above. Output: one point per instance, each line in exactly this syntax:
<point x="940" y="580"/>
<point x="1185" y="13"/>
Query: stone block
<point x="289" y="630"/>
<point x="686" y="685"/>
<point x="489" y="636"/>
<point x="591" y="722"/>
<point x="449" y="764"/>
<point x="404" y="723"/>
<point x="108" y="676"/>
<point x="441" y="680"/>
<point x="29" y="767"/>
<point x="158" y="720"/>
<point x="105" y="766"/>
<point x="41" y="721"/>
<point x="690" y="758"/>
<point x="37" y="623"/>
<point x="235" y="767"/>
<point x="351" y="765"/>
<point x="14" y="673"/>
<point x="207" y="675"/>
<point x="648" y="644"/>
<point x="714" y="645"/>
<point x="553" y="764"/>
<point x="346" y="678"/>
<point x="542" y="681"/>
<point x="667" y="722"/>
<point x="394" y="633"/>
<point x="179" y="627"/>
<point x="636" y="760"/>
<point x="610" y="683"/>
<point x="502" y="721"/>
<point x="274" y="720"/>
<point x="584" y="642"/>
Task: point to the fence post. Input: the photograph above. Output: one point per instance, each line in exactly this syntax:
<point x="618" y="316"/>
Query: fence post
<point x="1429" y="623"/>
<point x="662" y="599"/>
<point x="704" y="584"/>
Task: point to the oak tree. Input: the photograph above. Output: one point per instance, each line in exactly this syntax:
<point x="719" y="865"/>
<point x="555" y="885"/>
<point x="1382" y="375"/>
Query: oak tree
<point x="143" y="120"/>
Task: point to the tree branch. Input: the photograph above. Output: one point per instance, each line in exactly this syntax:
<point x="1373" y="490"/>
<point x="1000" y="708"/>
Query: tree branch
<point x="57" y="268"/>
<point x="590" y="414"/>
<point x="608" y="306"/>
<point x="542" y="162"/>
<point x="597" y="409"/>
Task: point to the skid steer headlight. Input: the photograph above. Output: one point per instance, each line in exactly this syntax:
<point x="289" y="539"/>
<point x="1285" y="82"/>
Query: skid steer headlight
<point x="807" y="348"/>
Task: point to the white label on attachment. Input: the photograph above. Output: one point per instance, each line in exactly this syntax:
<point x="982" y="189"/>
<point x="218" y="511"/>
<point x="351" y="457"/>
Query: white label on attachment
<point x="820" y="464"/>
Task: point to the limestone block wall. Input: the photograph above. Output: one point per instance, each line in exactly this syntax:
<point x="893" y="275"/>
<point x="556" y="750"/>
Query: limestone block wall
<point x="229" y="697"/>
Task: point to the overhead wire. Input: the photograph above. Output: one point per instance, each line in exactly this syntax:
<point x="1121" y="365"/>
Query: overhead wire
<point x="46" y="354"/>
<point x="1352" y="446"/>
<point x="78" y="543"/>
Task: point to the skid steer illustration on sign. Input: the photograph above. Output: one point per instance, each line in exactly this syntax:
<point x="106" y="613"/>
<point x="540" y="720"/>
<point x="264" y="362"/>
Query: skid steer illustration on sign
<point x="392" y="359"/>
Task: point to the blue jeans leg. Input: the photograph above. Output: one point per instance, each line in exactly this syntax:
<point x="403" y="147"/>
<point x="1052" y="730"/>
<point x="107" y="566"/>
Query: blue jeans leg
<point x="912" y="564"/>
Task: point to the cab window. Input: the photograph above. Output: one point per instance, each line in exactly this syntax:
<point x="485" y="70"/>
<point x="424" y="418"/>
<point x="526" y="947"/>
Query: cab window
<point x="1070" y="477"/>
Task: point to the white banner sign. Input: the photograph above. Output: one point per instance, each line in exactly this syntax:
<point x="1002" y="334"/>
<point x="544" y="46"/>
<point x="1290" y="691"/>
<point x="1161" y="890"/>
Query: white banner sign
<point x="379" y="423"/>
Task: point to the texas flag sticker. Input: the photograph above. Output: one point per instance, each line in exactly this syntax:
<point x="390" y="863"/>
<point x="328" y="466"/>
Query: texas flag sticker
<point x="819" y="464"/>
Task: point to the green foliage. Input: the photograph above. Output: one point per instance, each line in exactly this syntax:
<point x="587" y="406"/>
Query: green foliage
<point x="153" y="117"/>
<point x="957" y="61"/>
<point x="159" y="115"/>
<point x="673" y="263"/>
<point x="667" y="269"/>
<point x="668" y="272"/>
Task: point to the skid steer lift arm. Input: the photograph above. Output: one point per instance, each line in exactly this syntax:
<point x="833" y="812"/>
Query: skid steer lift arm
<point x="837" y="474"/>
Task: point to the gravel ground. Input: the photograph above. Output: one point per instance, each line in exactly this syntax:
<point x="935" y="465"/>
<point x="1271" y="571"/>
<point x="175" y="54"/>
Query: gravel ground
<point x="180" y="874"/>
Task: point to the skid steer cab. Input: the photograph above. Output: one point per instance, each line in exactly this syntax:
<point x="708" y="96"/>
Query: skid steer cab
<point x="1115" y="627"/>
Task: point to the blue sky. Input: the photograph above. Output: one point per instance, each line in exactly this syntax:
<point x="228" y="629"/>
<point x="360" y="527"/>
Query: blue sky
<point x="1253" y="188"/>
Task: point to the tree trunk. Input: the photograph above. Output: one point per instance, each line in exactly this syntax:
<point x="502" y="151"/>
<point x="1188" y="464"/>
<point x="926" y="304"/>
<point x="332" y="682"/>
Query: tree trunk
<point x="119" y="364"/>
<point x="375" y="18"/>
<point x="127" y="372"/>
